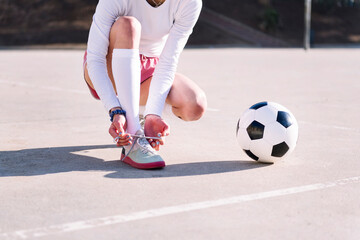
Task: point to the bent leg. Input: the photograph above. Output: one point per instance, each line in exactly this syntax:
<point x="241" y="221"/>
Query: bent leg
<point x="124" y="34"/>
<point x="187" y="99"/>
<point x="125" y="64"/>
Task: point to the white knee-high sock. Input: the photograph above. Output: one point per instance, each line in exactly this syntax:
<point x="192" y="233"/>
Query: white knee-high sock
<point x="126" y="72"/>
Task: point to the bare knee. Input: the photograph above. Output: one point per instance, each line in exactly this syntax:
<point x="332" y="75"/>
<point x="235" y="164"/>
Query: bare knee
<point x="194" y="110"/>
<point x="125" y="33"/>
<point x="127" y="25"/>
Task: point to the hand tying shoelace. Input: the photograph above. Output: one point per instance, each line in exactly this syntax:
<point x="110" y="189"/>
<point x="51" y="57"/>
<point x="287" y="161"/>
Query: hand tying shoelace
<point x="139" y="136"/>
<point x="141" y="142"/>
<point x="144" y="145"/>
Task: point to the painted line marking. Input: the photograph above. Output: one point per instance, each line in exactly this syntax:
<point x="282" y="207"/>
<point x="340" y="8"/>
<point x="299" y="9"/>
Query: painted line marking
<point x="152" y="213"/>
<point x="329" y="126"/>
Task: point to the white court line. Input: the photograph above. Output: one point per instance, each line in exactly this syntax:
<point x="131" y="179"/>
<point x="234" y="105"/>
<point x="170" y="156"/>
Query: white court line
<point x="329" y="126"/>
<point x="157" y="212"/>
<point x="57" y="89"/>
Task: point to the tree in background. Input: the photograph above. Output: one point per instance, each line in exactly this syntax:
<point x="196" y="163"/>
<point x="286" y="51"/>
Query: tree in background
<point x="269" y="17"/>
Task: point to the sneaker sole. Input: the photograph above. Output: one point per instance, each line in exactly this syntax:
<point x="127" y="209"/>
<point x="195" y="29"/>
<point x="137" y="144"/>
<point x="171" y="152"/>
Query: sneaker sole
<point x="152" y="165"/>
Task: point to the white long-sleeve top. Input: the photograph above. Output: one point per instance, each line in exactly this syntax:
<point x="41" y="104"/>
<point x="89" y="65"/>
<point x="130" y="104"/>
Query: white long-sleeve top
<point x="164" y="33"/>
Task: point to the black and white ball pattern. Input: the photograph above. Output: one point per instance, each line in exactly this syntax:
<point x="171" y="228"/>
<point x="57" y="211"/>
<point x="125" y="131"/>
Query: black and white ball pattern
<point x="267" y="132"/>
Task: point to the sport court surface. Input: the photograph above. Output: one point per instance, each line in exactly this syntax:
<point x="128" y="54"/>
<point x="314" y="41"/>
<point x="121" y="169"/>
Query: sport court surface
<point x="61" y="178"/>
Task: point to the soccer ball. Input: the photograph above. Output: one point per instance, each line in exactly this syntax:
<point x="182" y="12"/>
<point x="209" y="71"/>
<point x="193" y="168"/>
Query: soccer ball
<point x="267" y="132"/>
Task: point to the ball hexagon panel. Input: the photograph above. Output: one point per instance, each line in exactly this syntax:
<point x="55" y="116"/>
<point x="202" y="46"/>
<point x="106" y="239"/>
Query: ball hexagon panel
<point x="237" y="127"/>
<point x="284" y="119"/>
<point x="266" y="115"/>
<point x="258" y="105"/>
<point x="274" y="133"/>
<point x="279" y="150"/>
<point x="255" y="130"/>
<point x="251" y="155"/>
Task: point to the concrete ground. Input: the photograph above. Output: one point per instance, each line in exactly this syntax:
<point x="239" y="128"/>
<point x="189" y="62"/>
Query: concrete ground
<point x="61" y="178"/>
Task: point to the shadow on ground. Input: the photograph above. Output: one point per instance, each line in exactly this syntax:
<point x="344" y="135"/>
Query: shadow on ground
<point x="40" y="161"/>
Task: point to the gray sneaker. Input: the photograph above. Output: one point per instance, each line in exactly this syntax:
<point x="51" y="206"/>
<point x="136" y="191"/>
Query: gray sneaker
<point x="141" y="155"/>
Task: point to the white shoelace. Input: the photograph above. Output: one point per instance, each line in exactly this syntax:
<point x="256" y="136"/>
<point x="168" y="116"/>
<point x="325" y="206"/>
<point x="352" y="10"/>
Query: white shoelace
<point x="142" y="142"/>
<point x="145" y="146"/>
<point x="137" y="136"/>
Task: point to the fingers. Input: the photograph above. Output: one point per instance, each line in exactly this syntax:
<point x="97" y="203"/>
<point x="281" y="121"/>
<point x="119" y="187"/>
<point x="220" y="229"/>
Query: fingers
<point x="158" y="142"/>
<point x="155" y="126"/>
<point x="155" y="143"/>
<point x="123" y="139"/>
<point x="120" y="137"/>
<point x="166" y="131"/>
<point x="161" y="141"/>
<point x="113" y="131"/>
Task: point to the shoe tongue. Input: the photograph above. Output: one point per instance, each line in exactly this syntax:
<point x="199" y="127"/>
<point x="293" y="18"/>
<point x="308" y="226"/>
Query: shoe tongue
<point x="143" y="142"/>
<point x="139" y="132"/>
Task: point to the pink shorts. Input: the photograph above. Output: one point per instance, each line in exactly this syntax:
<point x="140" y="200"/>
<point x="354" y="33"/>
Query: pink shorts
<point x="147" y="65"/>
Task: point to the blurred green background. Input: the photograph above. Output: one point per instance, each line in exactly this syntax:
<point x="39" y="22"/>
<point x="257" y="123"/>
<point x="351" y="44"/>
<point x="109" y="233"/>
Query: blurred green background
<point x="34" y="22"/>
